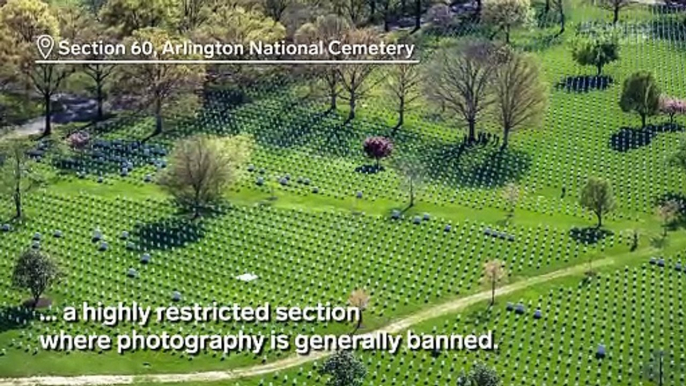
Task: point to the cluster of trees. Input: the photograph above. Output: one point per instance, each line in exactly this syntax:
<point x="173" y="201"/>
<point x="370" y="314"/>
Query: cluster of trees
<point x="478" y="76"/>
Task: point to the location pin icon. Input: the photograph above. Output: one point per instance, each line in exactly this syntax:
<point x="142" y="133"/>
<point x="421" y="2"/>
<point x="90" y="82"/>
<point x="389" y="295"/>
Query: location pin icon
<point x="45" y="45"/>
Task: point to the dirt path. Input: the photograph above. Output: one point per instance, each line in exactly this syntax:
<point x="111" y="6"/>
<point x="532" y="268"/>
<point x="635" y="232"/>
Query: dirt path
<point x="297" y="360"/>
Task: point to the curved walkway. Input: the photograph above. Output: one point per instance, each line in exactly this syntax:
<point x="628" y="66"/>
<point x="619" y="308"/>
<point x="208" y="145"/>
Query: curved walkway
<point x="297" y="360"/>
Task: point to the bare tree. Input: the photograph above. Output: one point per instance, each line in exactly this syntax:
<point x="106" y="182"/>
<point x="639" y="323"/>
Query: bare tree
<point x="355" y="77"/>
<point x="325" y="28"/>
<point x="615" y="6"/>
<point x="359" y="299"/>
<point x="459" y="79"/>
<point x="511" y="195"/>
<point x="411" y="174"/>
<point x="162" y="88"/>
<point x="403" y="81"/>
<point x="668" y="212"/>
<point x="520" y="95"/>
<point x="661" y="367"/>
<point x="352" y="10"/>
<point x="18" y="175"/>
<point x="494" y="273"/>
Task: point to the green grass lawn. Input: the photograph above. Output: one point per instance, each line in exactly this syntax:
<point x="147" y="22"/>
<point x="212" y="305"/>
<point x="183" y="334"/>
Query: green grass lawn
<point x="313" y="227"/>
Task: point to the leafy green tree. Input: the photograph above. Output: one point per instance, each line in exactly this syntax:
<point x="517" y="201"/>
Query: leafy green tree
<point x="18" y="174"/>
<point x="597" y="51"/>
<point x="202" y="168"/>
<point x="641" y="94"/>
<point x="344" y="369"/>
<point x="127" y="16"/>
<point x="521" y="96"/>
<point x="481" y="375"/>
<point x="195" y="13"/>
<point x="597" y="197"/>
<point x="511" y="194"/>
<point x="35" y="272"/>
<point x="507" y="14"/>
<point x="25" y="21"/>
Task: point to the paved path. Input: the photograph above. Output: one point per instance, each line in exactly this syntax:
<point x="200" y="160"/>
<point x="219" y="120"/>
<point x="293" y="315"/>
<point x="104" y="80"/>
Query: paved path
<point x="401" y="325"/>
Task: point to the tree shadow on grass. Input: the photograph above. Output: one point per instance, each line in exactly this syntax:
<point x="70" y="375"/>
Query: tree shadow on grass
<point x="475" y="166"/>
<point x="585" y="83"/>
<point x="169" y="233"/>
<point x="173" y="232"/>
<point x="628" y="138"/>
<point x="11" y="318"/>
<point x="589" y="235"/>
<point x="369" y="169"/>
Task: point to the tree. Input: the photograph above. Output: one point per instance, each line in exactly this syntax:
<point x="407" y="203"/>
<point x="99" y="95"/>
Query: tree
<point x="597" y="197"/>
<point x="17" y="173"/>
<point x="127" y="16"/>
<point x="377" y="148"/>
<point x="99" y="73"/>
<point x="678" y="159"/>
<point x="668" y="212"/>
<point x="559" y="5"/>
<point x="344" y="369"/>
<point x="403" y="83"/>
<point x="35" y="272"/>
<point x="275" y="8"/>
<point x="521" y="97"/>
<point x="459" y="78"/>
<point x="507" y="14"/>
<point x="325" y="28"/>
<point x="355" y="77"/>
<point x="411" y="175"/>
<point x="202" y="168"/>
<point x="161" y="87"/>
<point x="26" y="20"/>
<point x="359" y="299"/>
<point x="615" y="6"/>
<point x="481" y="375"/>
<point x="511" y="195"/>
<point x="237" y="25"/>
<point x="660" y="368"/>
<point x="641" y="94"/>
<point x="195" y="13"/>
<point x="352" y="10"/>
<point x="672" y="106"/>
<point x="597" y="50"/>
<point x="494" y="273"/>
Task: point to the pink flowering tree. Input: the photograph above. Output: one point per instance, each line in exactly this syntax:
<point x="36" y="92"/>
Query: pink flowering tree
<point x="672" y="107"/>
<point x="377" y="148"/>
